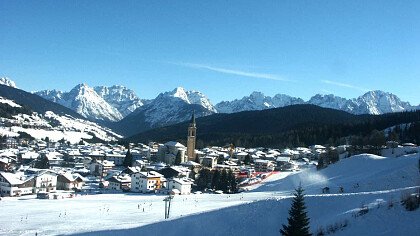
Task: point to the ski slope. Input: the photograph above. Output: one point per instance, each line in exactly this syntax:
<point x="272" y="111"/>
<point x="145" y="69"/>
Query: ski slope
<point x="261" y="211"/>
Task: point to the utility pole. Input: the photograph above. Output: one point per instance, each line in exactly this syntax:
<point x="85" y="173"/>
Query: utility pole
<point x="167" y="201"/>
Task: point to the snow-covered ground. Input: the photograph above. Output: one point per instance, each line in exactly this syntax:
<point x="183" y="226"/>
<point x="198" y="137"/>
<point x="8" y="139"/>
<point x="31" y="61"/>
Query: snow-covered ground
<point x="9" y="102"/>
<point x="64" y="127"/>
<point x="367" y="180"/>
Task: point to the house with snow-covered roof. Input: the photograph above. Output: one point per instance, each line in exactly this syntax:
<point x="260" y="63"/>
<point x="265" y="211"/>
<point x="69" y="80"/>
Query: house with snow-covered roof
<point x="181" y="186"/>
<point x="16" y="184"/>
<point x="146" y="182"/>
<point x="117" y="158"/>
<point x="100" y="167"/>
<point x="120" y="182"/>
<point x="264" y="165"/>
<point x="70" y="181"/>
<point x="45" y="180"/>
<point x="209" y="161"/>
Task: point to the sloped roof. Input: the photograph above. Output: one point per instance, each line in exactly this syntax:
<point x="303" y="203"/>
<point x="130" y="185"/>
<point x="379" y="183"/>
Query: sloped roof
<point x="174" y="144"/>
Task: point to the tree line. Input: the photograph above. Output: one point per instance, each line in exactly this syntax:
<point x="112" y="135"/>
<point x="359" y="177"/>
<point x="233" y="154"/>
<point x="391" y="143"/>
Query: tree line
<point x="223" y="180"/>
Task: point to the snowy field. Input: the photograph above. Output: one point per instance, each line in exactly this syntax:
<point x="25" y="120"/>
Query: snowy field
<point x="367" y="180"/>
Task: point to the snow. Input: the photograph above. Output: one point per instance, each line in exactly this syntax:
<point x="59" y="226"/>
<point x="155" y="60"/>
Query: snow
<point x="257" y="212"/>
<point x="372" y="102"/>
<point x="8" y="82"/>
<point x="85" y="101"/>
<point x="257" y="101"/>
<point x="170" y="107"/>
<point x="67" y="127"/>
<point x="9" y="102"/>
<point x="120" y="97"/>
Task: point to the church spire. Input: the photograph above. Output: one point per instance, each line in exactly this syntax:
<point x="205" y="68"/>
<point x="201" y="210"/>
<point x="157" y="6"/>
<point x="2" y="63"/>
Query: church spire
<point x="193" y="118"/>
<point x="192" y="129"/>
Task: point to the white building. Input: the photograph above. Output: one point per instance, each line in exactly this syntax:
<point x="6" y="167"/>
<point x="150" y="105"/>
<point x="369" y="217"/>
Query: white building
<point x="70" y="181"/>
<point x="264" y="165"/>
<point x="181" y="184"/>
<point x="45" y="180"/>
<point x="146" y="182"/>
<point x="118" y="159"/>
<point x="29" y="182"/>
<point x="15" y="184"/>
<point x="99" y="168"/>
<point x="120" y="182"/>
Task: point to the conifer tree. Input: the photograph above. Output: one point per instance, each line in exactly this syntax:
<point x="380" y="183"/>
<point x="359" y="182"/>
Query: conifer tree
<point x="43" y="163"/>
<point x="215" y="182"/>
<point x="204" y="179"/>
<point x="178" y="158"/>
<point x="298" y="221"/>
<point x="247" y="159"/>
<point x="232" y="182"/>
<point x="223" y="181"/>
<point x="128" y="160"/>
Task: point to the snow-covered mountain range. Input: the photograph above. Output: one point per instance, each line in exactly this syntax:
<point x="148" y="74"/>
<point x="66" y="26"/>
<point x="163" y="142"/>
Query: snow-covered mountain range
<point x="85" y="101"/>
<point x="98" y="103"/>
<point x="167" y="108"/>
<point x="164" y="109"/>
<point x="121" y="98"/>
<point x="373" y="102"/>
<point x="114" y="103"/>
<point x="257" y="101"/>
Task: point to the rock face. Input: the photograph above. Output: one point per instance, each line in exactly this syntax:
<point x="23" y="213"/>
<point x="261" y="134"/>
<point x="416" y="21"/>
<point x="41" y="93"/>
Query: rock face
<point x="377" y="102"/>
<point x="85" y="101"/>
<point x="121" y="98"/>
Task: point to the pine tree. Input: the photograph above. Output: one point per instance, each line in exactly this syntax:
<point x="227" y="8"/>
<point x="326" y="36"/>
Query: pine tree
<point x="215" y="182"/>
<point x="43" y="163"/>
<point x="223" y="181"/>
<point x="178" y="158"/>
<point x="204" y="179"/>
<point x="128" y="160"/>
<point x="298" y="221"/>
<point x="232" y="182"/>
<point x="320" y="163"/>
<point x="247" y="159"/>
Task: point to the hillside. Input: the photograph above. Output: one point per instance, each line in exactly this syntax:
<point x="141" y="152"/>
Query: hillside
<point x="368" y="180"/>
<point x="33" y="117"/>
<point x="35" y="102"/>
<point x="380" y="181"/>
<point x="279" y="127"/>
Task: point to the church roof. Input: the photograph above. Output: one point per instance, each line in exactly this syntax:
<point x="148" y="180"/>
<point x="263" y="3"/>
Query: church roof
<point x="193" y="118"/>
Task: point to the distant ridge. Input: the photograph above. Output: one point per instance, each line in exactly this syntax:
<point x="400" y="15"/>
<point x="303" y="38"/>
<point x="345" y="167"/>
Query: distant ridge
<point x="35" y="102"/>
<point x="278" y="127"/>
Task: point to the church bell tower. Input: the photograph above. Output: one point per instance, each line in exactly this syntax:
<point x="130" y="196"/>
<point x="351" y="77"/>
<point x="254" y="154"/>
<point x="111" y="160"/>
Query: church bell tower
<point x="191" y="139"/>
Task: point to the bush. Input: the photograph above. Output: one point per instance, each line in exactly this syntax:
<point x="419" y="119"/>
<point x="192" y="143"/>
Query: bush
<point x="332" y="228"/>
<point x="411" y="202"/>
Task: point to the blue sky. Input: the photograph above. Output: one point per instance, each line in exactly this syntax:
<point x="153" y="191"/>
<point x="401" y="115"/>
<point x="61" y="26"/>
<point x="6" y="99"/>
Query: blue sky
<point x="225" y="49"/>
